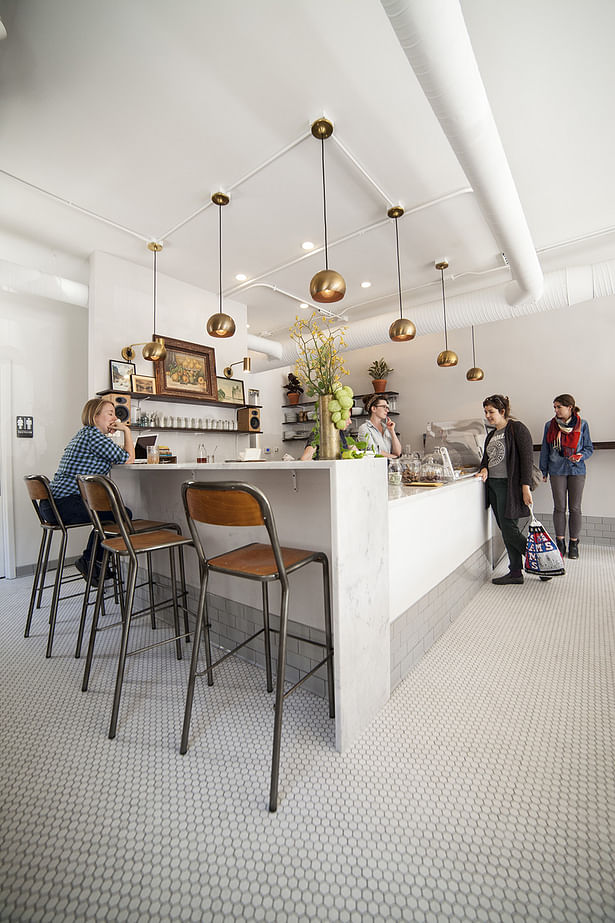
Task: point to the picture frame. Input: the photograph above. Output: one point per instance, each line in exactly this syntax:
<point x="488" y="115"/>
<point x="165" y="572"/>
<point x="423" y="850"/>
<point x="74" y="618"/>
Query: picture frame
<point x="143" y="384"/>
<point x="120" y="373"/>
<point x="188" y="371"/>
<point x="230" y="391"/>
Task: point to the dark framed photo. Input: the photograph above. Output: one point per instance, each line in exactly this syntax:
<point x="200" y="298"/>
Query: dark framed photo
<point x="120" y="373"/>
<point x="143" y="384"/>
<point x="230" y="391"/>
<point x="189" y="370"/>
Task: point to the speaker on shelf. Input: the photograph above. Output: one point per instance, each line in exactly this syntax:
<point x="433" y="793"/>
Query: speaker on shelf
<point x="249" y="420"/>
<point x="121" y="402"/>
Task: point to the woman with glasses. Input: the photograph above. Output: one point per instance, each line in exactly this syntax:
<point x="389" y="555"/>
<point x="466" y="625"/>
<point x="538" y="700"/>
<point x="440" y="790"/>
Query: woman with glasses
<point x="566" y="444"/>
<point x="506" y="468"/>
<point x="379" y="431"/>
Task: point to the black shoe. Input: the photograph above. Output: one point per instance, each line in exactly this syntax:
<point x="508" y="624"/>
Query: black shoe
<point x="573" y="549"/>
<point x="561" y="545"/>
<point x="507" y="578"/>
<point x="82" y="566"/>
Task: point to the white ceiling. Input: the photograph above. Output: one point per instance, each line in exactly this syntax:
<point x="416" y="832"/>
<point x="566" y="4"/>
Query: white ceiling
<point x="137" y="110"/>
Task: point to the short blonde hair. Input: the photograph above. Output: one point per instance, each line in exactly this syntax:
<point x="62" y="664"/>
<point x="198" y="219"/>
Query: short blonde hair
<point x="92" y="408"/>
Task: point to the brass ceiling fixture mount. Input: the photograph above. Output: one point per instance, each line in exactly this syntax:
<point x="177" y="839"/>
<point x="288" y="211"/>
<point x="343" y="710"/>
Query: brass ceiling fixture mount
<point x="220" y="325"/>
<point x="403" y="329"/>
<point x="246" y="362"/>
<point x="475" y="373"/>
<point x="154" y="350"/>
<point x="447" y="357"/>
<point x="327" y="286"/>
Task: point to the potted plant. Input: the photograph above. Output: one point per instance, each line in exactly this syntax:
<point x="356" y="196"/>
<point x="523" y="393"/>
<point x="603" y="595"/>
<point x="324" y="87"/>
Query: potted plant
<point x="293" y="389"/>
<point x="379" y="371"/>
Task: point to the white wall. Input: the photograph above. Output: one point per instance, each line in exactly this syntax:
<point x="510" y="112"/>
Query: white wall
<point x="121" y="312"/>
<point x="531" y="359"/>
<point x="46" y="343"/>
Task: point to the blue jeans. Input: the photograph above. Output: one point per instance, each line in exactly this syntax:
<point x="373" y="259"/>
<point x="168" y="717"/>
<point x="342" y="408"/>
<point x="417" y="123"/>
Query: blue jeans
<point x="72" y="509"/>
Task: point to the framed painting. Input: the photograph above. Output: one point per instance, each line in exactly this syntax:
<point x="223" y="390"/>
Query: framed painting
<point x="187" y="371"/>
<point x="120" y="373"/>
<point x="143" y="384"/>
<point x="230" y="391"/>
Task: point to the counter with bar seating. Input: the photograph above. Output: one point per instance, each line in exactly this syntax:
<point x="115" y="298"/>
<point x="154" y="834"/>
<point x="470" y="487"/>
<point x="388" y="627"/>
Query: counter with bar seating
<point x="393" y="553"/>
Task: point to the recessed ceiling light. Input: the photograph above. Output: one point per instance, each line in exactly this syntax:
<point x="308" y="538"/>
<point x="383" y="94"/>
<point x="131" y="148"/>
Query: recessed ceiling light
<point x="303" y="305"/>
<point x="365" y="284"/>
<point x="307" y="245"/>
<point x="241" y="277"/>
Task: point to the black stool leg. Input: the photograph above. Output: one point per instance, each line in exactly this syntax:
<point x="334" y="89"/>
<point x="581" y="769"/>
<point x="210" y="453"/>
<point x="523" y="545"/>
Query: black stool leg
<point x="328" y="634"/>
<point x="267" y="637"/>
<point x="97" y="607"/>
<point x="182" y="576"/>
<point x="201" y="617"/>
<point x="279" y="701"/>
<point x="150" y="583"/>
<point x="178" y="643"/>
<point x="41" y="585"/>
<point x="37" y="577"/>
<point x="130" y="593"/>
<point x="56" y="593"/>
<point x="86" y="598"/>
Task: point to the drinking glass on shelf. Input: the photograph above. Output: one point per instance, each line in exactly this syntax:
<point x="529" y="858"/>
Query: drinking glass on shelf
<point x="153" y="455"/>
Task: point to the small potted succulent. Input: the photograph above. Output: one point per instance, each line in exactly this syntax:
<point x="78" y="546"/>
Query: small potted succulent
<point x="379" y="371"/>
<point x="293" y="389"/>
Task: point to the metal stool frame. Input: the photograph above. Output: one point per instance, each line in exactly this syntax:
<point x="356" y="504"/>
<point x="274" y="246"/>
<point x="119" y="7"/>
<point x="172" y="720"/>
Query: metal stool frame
<point x="232" y="503"/>
<point x="38" y="487"/>
<point x="101" y="494"/>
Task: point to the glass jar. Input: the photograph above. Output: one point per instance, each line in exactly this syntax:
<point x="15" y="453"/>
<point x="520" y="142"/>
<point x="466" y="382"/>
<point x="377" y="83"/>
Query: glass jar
<point x="394" y="472"/>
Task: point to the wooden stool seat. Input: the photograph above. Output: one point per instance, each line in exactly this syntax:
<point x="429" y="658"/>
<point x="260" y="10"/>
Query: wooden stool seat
<point x="259" y="560"/>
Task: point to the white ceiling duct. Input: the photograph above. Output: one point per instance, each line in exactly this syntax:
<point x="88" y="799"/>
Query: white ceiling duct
<point x="271" y="348"/>
<point x="23" y="280"/>
<point x="562" y="288"/>
<point x="435" y="40"/>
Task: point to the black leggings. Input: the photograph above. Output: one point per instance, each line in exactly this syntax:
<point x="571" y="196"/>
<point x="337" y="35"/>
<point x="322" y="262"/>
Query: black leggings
<point x="514" y="539"/>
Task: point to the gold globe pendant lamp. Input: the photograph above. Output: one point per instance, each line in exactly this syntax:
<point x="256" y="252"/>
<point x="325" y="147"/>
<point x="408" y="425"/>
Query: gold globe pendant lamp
<point x="327" y="286"/>
<point x="474" y="374"/>
<point x="447" y="357"/>
<point x="155" y="350"/>
<point x="403" y="329"/>
<point x="220" y="325"/>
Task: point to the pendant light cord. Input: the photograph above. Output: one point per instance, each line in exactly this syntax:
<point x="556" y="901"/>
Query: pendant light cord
<point x="398" y="269"/>
<point x="155" y="284"/>
<point x="444" y="309"/>
<point x="473" y="350"/>
<point x="324" y="200"/>
<point x="220" y="257"/>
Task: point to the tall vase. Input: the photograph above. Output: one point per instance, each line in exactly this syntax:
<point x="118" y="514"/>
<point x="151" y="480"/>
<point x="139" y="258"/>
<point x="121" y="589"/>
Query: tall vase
<point x="329" y="433"/>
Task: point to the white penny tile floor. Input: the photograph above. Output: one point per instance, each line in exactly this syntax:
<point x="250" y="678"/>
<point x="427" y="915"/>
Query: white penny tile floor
<point x="484" y="791"/>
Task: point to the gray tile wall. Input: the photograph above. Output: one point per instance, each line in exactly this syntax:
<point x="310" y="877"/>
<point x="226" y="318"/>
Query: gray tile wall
<point x="596" y="530"/>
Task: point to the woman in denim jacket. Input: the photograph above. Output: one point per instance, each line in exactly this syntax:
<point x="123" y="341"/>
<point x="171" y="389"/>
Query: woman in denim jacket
<point x="566" y="444"/>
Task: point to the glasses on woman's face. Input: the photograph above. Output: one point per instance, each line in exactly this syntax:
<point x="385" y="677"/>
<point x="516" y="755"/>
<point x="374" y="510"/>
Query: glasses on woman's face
<point x="381" y="407"/>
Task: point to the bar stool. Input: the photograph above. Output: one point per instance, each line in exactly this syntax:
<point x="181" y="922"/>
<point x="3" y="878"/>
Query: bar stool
<point x="38" y="489"/>
<point x="100" y="494"/>
<point x="111" y="530"/>
<point x="230" y="503"/>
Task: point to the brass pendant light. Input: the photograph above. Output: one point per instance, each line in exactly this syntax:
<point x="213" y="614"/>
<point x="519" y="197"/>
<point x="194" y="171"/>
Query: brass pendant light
<point x="403" y="329"/>
<point x="155" y="350"/>
<point x="474" y="374"/>
<point x="447" y="357"/>
<point x="220" y="325"/>
<point x="327" y="286"/>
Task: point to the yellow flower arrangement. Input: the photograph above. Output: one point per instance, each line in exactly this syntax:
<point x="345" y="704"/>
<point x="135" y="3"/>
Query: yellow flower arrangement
<point x="319" y="364"/>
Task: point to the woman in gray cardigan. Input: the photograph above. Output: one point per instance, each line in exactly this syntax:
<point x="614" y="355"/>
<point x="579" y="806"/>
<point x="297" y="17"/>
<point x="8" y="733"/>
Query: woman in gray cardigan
<point x="506" y="467"/>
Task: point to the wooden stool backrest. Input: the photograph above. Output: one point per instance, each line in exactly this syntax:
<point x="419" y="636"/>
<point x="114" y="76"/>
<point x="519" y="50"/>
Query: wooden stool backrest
<point x="96" y="496"/>
<point x="37" y="486"/>
<point x="227" y="507"/>
<point x="101" y="495"/>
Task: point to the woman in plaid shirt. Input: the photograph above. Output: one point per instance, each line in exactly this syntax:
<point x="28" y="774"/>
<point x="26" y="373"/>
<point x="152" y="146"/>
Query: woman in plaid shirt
<point x="90" y="451"/>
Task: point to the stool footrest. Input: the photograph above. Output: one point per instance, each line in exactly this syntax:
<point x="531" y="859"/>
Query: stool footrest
<point x="307" y="675"/>
<point x="230" y="653"/>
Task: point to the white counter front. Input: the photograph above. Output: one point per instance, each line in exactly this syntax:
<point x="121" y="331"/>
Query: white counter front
<point x="385" y="554"/>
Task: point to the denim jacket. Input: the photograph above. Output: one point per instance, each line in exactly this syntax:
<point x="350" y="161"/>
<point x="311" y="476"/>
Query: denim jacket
<point x="551" y="462"/>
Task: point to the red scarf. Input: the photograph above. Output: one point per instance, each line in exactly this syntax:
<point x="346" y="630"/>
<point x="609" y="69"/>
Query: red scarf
<point x="565" y="437"/>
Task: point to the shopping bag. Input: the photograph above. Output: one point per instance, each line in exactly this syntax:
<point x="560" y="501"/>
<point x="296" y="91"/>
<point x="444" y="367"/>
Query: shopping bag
<point x="542" y="556"/>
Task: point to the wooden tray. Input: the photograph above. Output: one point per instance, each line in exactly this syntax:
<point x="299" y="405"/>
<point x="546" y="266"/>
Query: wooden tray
<point x="424" y="484"/>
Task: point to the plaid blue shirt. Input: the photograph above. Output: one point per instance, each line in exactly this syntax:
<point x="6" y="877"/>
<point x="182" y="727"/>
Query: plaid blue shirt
<point x="88" y="452"/>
